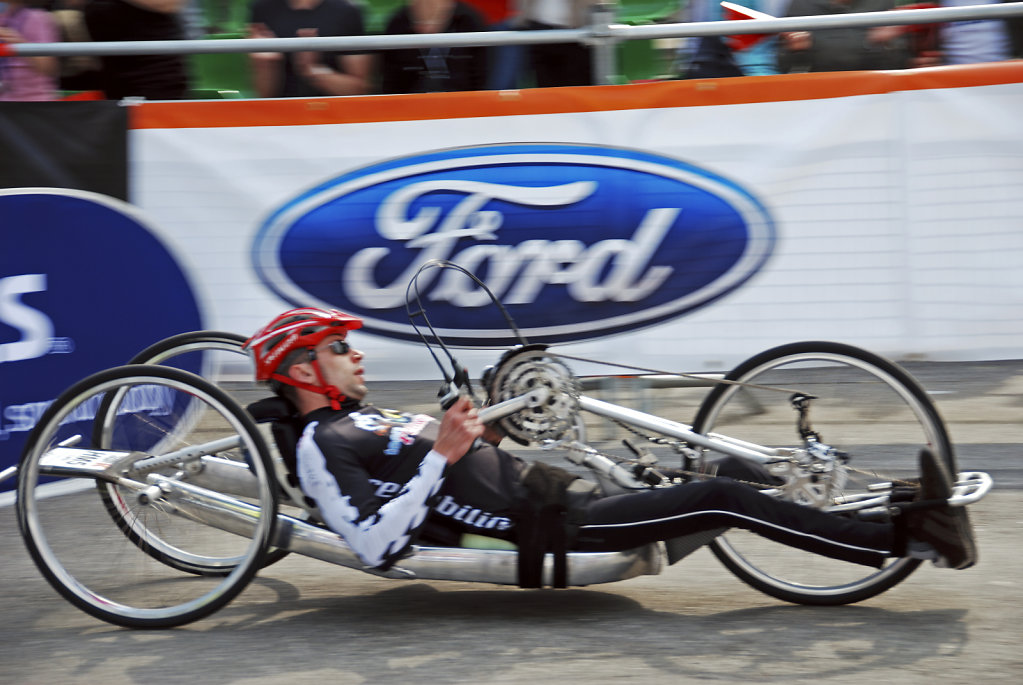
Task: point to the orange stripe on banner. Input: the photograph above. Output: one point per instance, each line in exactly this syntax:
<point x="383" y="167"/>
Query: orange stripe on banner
<point x="693" y="93"/>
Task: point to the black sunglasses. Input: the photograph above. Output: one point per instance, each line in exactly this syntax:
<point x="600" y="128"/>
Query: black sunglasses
<point x="339" y="347"/>
<point x="336" y="346"/>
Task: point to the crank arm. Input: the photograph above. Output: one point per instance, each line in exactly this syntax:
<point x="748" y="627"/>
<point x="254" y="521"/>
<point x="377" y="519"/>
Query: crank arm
<point x="533" y="398"/>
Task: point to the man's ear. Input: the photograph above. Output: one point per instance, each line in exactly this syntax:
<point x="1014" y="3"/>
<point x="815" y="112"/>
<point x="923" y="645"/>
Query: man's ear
<point x="302" y="372"/>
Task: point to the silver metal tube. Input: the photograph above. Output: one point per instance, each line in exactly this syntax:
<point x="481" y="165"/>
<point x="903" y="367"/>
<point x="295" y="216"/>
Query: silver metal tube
<point x="469" y="565"/>
<point x="426" y="563"/>
<point x="206" y="506"/>
<point x="319" y="44"/>
<point x="509" y="407"/>
<point x="603" y="44"/>
<point x="9" y="472"/>
<point x="224" y="475"/>
<point x="616" y="32"/>
<point x="672" y="429"/>
<point x="970" y="487"/>
<point x="759" y="449"/>
<point x="820" y="22"/>
<point x="186" y="454"/>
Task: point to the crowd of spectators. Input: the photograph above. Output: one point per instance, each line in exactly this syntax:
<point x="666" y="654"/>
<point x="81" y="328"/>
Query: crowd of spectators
<point x="28" y="78"/>
<point x="438" y="69"/>
<point x="850" y="48"/>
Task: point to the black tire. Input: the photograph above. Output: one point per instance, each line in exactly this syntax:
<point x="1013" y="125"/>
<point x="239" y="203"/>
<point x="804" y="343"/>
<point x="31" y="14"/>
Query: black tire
<point x="866" y="406"/>
<point x="204" y="352"/>
<point x="99" y="569"/>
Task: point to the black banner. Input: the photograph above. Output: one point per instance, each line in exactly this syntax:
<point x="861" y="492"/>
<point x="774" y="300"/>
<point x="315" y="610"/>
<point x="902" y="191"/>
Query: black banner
<point x="79" y="145"/>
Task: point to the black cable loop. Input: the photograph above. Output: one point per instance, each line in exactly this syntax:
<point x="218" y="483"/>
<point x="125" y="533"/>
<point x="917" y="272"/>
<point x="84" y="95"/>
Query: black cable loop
<point x="459" y="376"/>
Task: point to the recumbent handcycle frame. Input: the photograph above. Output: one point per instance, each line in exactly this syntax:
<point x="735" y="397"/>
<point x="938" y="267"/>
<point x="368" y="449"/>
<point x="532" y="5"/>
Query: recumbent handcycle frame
<point x="138" y="451"/>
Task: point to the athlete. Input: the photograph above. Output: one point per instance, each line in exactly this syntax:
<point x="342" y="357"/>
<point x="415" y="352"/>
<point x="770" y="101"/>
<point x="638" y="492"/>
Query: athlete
<point x="382" y="479"/>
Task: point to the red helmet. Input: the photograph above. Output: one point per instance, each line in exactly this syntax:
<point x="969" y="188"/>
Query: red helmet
<point x="295" y="329"/>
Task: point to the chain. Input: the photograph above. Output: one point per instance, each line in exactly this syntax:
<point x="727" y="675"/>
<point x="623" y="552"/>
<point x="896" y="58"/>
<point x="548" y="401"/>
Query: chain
<point x="679" y="446"/>
<point x="722" y="381"/>
<point x="800" y="402"/>
<point x="700" y="475"/>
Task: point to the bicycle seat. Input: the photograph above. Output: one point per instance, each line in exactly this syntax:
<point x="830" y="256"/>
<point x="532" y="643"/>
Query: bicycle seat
<point x="286" y="428"/>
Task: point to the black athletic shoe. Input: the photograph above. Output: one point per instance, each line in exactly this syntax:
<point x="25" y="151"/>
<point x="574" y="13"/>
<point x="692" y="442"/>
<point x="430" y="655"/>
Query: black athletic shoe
<point x="947" y="529"/>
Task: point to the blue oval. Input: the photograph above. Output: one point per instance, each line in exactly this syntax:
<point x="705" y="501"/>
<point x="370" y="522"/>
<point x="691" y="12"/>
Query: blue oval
<point x="578" y="241"/>
<point x="85" y="284"/>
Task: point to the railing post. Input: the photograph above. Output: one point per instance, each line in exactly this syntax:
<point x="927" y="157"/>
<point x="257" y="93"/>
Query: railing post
<point x="605" y="62"/>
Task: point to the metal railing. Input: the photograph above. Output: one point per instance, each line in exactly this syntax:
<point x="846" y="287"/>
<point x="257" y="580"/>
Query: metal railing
<point x="603" y="34"/>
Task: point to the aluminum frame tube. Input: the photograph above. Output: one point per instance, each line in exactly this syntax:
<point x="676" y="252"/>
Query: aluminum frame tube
<point x="425" y="563"/>
<point x="677" y="430"/>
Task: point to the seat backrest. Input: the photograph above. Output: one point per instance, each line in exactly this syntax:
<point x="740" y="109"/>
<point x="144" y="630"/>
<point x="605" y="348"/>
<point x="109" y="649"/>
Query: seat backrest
<point x="286" y="428"/>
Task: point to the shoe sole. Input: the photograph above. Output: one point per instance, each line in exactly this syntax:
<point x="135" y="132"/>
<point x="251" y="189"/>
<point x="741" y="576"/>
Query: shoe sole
<point x="933" y="471"/>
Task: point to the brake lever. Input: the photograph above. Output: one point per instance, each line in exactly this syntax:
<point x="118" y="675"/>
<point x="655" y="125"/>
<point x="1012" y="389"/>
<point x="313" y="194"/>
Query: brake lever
<point x="459" y="385"/>
<point x="448" y="394"/>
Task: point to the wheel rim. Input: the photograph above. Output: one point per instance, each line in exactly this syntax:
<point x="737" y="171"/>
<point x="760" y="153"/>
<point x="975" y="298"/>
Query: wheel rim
<point x="218" y="357"/>
<point x="85" y="556"/>
<point x="866" y="408"/>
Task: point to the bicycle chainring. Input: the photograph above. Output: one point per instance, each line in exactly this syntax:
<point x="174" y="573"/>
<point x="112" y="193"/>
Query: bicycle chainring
<point x="524" y="371"/>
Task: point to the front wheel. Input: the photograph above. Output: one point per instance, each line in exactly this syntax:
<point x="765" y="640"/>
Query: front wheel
<point x="165" y="425"/>
<point x="873" y="416"/>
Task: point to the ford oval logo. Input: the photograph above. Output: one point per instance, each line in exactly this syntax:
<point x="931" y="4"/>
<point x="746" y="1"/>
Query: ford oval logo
<point x="578" y="242"/>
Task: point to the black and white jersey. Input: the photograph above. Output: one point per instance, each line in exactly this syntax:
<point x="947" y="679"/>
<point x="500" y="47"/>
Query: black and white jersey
<point x="377" y="482"/>
<point x="376" y="479"/>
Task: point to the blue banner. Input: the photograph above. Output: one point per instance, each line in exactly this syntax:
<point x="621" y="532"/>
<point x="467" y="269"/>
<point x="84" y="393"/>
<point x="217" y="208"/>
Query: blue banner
<point x="84" y="285"/>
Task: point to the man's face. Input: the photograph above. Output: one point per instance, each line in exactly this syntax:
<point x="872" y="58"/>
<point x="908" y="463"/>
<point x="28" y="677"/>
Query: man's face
<point x="343" y="371"/>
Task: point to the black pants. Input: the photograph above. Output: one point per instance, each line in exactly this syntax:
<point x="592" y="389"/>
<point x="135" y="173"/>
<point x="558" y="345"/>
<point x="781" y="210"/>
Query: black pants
<point x="624" y="521"/>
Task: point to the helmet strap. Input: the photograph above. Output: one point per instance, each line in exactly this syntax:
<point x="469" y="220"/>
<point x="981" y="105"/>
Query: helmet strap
<point x="332" y="392"/>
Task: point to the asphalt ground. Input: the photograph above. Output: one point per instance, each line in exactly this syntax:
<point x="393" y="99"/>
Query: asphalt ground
<point x="304" y="621"/>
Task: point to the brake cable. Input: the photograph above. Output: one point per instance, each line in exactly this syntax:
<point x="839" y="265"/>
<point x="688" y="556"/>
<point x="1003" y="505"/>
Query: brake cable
<point x="459" y="376"/>
<point x="458" y="379"/>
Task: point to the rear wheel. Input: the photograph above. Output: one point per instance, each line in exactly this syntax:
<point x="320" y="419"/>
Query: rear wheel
<point x="170" y="351"/>
<point x="121" y="573"/>
<point x="875" y="418"/>
<point x="218" y="357"/>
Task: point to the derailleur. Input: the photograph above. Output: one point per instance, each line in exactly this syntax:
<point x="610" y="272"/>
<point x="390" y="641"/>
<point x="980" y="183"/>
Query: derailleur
<point x="815" y="474"/>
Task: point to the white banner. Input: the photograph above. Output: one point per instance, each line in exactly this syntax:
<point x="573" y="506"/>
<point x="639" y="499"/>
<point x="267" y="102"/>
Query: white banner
<point x="895" y="204"/>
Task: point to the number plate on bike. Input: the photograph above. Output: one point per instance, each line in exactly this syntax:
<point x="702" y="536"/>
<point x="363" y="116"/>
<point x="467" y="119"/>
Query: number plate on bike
<point x="70" y="461"/>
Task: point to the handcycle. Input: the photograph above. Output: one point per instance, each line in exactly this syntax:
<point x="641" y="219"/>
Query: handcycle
<point x="149" y="497"/>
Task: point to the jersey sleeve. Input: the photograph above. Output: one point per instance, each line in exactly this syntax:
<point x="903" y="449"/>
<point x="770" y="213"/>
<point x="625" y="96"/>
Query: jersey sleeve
<point x="346" y="498"/>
